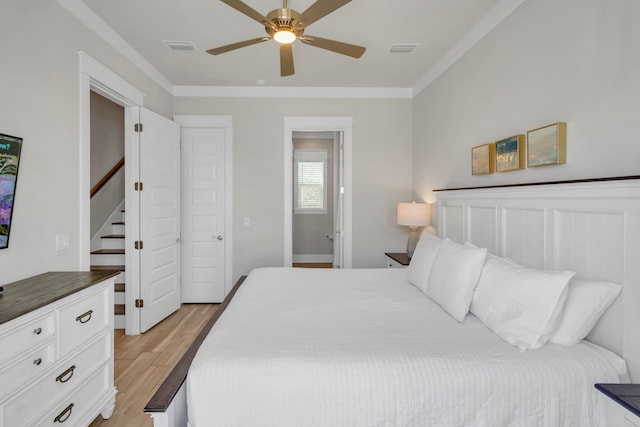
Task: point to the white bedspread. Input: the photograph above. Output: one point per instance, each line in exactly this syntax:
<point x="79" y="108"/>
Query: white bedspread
<point x="300" y="347"/>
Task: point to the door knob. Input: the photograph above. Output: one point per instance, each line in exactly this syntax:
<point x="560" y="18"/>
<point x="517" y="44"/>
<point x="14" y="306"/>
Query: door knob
<point x="219" y="237"/>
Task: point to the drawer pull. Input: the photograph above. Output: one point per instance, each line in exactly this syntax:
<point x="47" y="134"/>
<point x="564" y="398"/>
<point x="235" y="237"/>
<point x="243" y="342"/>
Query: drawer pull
<point x="64" y="415"/>
<point x="37" y="331"/>
<point x="85" y="317"/>
<point x="38" y="361"/>
<point x="66" y="375"/>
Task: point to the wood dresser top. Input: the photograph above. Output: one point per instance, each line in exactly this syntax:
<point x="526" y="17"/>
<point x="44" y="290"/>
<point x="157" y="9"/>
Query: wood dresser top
<point x="27" y="295"/>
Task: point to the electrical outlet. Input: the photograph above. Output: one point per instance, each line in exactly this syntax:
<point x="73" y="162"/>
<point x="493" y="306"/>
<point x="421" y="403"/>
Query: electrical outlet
<point x="247" y="222"/>
<point x="62" y="241"/>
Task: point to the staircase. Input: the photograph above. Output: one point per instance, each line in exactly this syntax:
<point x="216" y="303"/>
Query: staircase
<point x="108" y="254"/>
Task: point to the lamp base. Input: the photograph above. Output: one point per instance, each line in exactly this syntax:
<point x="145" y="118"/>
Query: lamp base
<point x="413" y="241"/>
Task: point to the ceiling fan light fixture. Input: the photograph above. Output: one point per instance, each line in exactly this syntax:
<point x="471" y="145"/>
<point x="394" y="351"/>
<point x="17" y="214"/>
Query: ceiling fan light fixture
<point x="284" y="36"/>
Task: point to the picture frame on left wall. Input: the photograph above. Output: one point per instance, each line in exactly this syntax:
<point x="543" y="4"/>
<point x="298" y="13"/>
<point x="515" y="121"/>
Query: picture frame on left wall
<point x="10" y="148"/>
<point x="483" y="159"/>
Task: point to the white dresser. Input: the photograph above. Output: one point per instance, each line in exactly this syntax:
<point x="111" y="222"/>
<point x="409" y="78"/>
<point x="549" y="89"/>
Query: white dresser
<point x="56" y="349"/>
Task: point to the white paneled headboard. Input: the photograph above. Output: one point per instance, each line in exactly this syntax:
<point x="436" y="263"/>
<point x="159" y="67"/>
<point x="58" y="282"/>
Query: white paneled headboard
<point x="592" y="228"/>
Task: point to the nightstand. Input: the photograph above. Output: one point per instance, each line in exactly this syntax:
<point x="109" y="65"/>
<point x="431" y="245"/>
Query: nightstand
<point x="623" y="405"/>
<point x="397" y="259"/>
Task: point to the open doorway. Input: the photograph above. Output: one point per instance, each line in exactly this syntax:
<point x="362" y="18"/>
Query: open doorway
<point x="107" y="174"/>
<point x="329" y="243"/>
<point x="316" y="217"/>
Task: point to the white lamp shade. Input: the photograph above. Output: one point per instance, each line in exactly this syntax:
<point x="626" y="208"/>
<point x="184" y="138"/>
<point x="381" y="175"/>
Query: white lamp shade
<point x="414" y="214"/>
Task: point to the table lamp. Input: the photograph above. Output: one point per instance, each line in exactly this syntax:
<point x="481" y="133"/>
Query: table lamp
<point x="413" y="215"/>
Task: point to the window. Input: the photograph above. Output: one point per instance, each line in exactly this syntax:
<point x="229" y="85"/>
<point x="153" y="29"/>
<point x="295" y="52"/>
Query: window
<point x="310" y="182"/>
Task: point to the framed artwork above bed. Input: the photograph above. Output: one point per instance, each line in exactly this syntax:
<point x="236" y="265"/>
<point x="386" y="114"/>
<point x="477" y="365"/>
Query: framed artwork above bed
<point x="547" y="145"/>
<point x="483" y="159"/>
<point x="510" y="153"/>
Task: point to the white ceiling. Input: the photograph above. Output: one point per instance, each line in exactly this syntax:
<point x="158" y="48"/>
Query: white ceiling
<point x="437" y="25"/>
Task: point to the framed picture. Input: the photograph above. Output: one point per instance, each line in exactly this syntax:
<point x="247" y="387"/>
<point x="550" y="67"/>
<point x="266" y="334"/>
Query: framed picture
<point x="483" y="158"/>
<point x="10" y="147"/>
<point x="510" y="153"/>
<point x="547" y="145"/>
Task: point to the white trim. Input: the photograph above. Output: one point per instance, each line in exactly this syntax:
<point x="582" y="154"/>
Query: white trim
<point x="490" y="21"/>
<point x="292" y="92"/>
<point x="132" y="220"/>
<point x="339" y="124"/>
<point x="226" y="122"/>
<point x="97" y="77"/>
<point x="89" y="18"/>
<point x="108" y="84"/>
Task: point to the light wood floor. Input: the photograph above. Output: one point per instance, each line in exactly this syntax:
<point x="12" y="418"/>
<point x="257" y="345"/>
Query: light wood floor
<point x="142" y="362"/>
<point x="313" y="264"/>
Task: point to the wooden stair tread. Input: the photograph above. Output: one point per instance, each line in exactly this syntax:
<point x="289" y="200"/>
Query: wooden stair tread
<point x="118" y="223"/>
<point x="108" y="252"/>
<point x="118" y="309"/>
<point x="113" y="236"/>
<point x="119" y="287"/>
<point x="107" y="267"/>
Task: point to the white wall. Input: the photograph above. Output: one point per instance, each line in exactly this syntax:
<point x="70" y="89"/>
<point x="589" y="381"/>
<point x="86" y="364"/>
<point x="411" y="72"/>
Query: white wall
<point x="39" y="86"/>
<point x="576" y="61"/>
<point x="107" y="136"/>
<point x="381" y="172"/>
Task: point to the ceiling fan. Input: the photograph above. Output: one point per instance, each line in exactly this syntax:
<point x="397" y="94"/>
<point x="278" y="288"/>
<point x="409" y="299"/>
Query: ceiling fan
<point x="287" y="25"/>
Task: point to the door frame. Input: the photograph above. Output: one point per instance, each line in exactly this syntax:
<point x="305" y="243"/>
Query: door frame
<point x="225" y="122"/>
<point x="317" y="124"/>
<point x="97" y="78"/>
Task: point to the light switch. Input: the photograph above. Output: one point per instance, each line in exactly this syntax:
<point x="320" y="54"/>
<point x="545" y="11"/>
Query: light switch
<point x="62" y="241"/>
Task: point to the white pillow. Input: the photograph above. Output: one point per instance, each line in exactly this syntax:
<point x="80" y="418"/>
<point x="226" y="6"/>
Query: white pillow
<point x="454" y="276"/>
<point x="587" y="301"/>
<point x="422" y="260"/>
<point x="521" y="305"/>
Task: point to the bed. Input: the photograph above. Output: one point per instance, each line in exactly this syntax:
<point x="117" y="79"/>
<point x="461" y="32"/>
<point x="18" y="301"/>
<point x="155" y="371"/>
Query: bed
<point x="366" y="348"/>
<point x="369" y="347"/>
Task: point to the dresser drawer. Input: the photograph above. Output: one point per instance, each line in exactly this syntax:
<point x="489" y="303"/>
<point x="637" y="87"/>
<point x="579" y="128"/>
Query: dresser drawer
<point x="62" y="380"/>
<point x="32" y="363"/>
<point x="72" y="410"/>
<point x="83" y="319"/>
<point x="16" y="340"/>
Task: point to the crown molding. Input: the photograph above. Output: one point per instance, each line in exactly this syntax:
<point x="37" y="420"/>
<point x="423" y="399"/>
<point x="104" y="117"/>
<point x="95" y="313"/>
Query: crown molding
<point x="292" y="92"/>
<point x="490" y="21"/>
<point x="86" y="16"/>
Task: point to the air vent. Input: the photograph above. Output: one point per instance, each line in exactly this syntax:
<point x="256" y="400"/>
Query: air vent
<point x="403" y="48"/>
<point x="180" y="46"/>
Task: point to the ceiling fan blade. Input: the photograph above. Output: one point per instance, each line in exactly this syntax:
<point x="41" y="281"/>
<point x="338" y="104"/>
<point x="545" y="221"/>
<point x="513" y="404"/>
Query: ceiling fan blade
<point x="334" y="46"/>
<point x="234" y="46"/>
<point x="286" y="60"/>
<point x="250" y="12"/>
<point x="319" y="10"/>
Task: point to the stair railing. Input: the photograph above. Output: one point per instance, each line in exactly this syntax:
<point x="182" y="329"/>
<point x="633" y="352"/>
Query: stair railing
<point x="107" y="177"/>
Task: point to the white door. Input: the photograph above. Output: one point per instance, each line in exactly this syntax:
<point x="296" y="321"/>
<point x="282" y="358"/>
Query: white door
<point x="159" y="218"/>
<point x="203" y="215"/>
